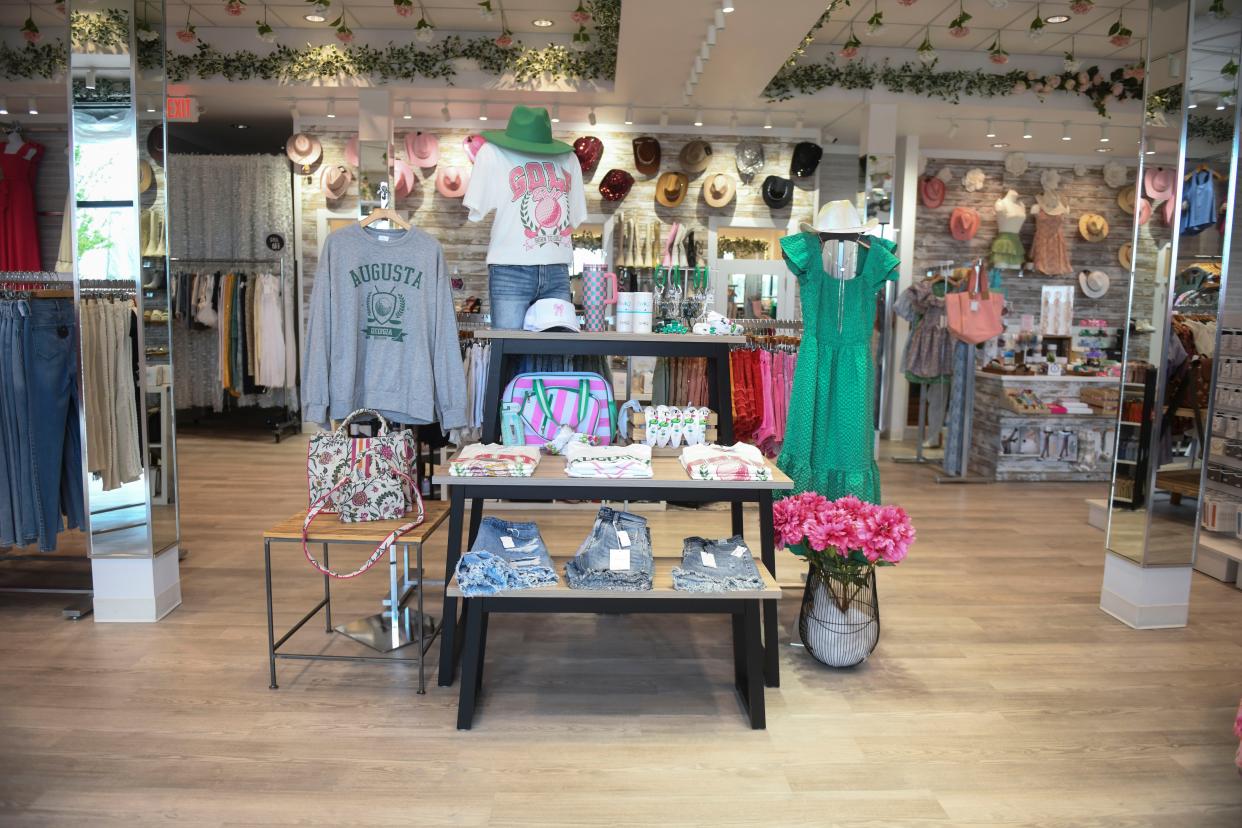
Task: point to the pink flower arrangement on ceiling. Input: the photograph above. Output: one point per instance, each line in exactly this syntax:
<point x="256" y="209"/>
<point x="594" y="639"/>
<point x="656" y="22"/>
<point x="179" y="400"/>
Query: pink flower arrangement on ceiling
<point x="30" y="32"/>
<point x="505" y="39"/>
<point x="849" y="49"/>
<point x="1118" y="34"/>
<point x="187" y="34"/>
<point x="957" y="26"/>
<point x="580" y="15"/>
<point x="405" y="8"/>
<point x="906" y="2"/>
<point x="235" y="7"/>
<point x="843" y="534"/>
<point x="1082" y="6"/>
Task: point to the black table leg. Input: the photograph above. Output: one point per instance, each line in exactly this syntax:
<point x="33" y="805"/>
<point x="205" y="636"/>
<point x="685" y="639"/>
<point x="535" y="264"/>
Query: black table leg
<point x="771" y="618"/>
<point x="478" y="678"/>
<point x="736" y="508"/>
<point x="448" y="620"/>
<point x="327" y="593"/>
<point x="491" y="393"/>
<point x="722" y="397"/>
<point x="470" y="665"/>
<point x="754" y="668"/>
<point x="739" y="654"/>
<point x="476" y="520"/>
<point x="271" y="632"/>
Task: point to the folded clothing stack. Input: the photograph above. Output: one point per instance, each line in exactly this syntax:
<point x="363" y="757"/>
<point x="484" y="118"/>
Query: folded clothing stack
<point x="608" y="461"/>
<point x="616" y="556"/>
<point x="740" y="461"/>
<point x="716" y="566"/>
<point x="521" y="545"/>
<point x="494" y="460"/>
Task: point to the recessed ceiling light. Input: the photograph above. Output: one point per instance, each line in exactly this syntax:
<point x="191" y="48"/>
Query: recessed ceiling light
<point x="241" y="126"/>
<point x="545" y="23"/>
<point x="1103" y="149"/>
<point x="314" y="17"/>
<point x="1057" y="18"/>
<point x="999" y="145"/>
<point x="991" y="133"/>
<point x="1026" y="130"/>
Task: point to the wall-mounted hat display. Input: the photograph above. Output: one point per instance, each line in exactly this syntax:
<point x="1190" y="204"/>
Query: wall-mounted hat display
<point x="529" y="130"/>
<point x="945" y="174"/>
<point x="719" y="190"/>
<point x="615" y="185"/>
<point x="402" y="177"/>
<point x="1051" y="203"/>
<point x="1115" y="174"/>
<point x="931" y="192"/>
<point x="422" y="149"/>
<point x="1159" y="184"/>
<point x="1093" y="227"/>
<point x="695" y="156"/>
<point x="451" y="182"/>
<point x="1081" y="169"/>
<point x="471" y="145"/>
<point x="1094" y="283"/>
<point x="1125" y="255"/>
<point x="964" y="223"/>
<point x="777" y="192"/>
<point x="145" y="175"/>
<point x="647" y="155"/>
<point x="806" y="157"/>
<point x="1016" y="163"/>
<point x="335" y="180"/>
<point x="974" y="180"/>
<point x="589" y="150"/>
<point x="671" y="188"/>
<point x="749" y="155"/>
<point x="1050" y="180"/>
<point x="839" y="217"/>
<point x="303" y="150"/>
<point x="351" y="152"/>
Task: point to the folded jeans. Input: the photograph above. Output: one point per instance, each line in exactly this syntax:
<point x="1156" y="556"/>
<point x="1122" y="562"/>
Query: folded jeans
<point x="617" y="539"/>
<point x="716" y="566"/>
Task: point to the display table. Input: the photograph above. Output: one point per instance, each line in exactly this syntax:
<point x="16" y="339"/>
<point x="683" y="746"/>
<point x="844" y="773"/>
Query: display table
<point x="742" y="605"/>
<point x="993" y="421"/>
<point x="549" y="482"/>
<point x="403" y="627"/>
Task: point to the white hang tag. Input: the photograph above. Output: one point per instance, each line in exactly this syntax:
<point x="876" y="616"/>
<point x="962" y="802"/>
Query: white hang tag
<point x="525" y="562"/>
<point x="740" y="551"/>
<point x="974" y="305"/>
<point x="384" y="238"/>
<point x="507" y="542"/>
<point x="709" y="559"/>
<point x="623" y="537"/>
<point x="619" y="559"/>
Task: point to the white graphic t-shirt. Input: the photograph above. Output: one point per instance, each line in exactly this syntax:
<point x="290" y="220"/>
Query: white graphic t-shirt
<point x="538" y="201"/>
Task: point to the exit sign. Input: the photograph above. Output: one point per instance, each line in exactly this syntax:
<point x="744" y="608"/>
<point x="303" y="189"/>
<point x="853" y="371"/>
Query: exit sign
<point x="182" y="108"/>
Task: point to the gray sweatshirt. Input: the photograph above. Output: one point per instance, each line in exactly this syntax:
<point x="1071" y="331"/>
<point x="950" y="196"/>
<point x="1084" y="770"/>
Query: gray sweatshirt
<point x="382" y="333"/>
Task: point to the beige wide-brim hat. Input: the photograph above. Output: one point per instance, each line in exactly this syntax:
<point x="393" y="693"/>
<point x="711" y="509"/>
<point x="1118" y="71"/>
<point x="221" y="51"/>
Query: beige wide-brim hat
<point x="1093" y="227"/>
<point x="719" y="190"/>
<point x="671" y="188"/>
<point x="1125" y="255"/>
<point x="695" y="156"/>
<point x="335" y="181"/>
<point x="1126" y="200"/>
<point x="145" y="176"/>
<point x="1094" y="283"/>
<point x="839" y="217"/>
<point x="303" y="150"/>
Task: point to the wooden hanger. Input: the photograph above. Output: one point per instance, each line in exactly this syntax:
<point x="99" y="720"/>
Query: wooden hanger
<point x="1206" y="168"/>
<point x="385" y="214"/>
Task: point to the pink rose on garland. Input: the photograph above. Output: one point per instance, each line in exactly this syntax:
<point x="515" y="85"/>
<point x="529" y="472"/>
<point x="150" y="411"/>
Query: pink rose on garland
<point x="505" y="40"/>
<point x="1019" y="88"/>
<point x="1053" y="81"/>
<point x="1117" y="89"/>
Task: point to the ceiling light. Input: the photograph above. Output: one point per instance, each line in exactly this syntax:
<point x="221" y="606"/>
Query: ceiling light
<point x="314" y="17"/>
<point x="733" y="119"/>
<point x="444" y="113"/>
<point x="952" y="129"/>
<point x="663" y="117"/>
<point x="711" y="34"/>
<point x="705" y="51"/>
<point x="544" y="23"/>
<point x="798" y="123"/>
<point x="1057" y="18"/>
<point x="331" y="107"/>
<point x="32" y="106"/>
<point x="1065" y="135"/>
<point x="1222" y="102"/>
<point x="999" y="145"/>
<point x="1150" y="152"/>
<point x="591" y="119"/>
<point x="727" y="6"/>
<point x="1103" y="149"/>
<point x="767" y="119"/>
<point x="483" y="112"/>
<point x="718" y="19"/>
<point x="698" y="65"/>
<point x="1026" y="130"/>
<point x="629" y="115"/>
<point x="1193" y="104"/>
<point x="90" y="79"/>
<point x="240" y="126"/>
<point x="698" y="118"/>
<point x="556" y="113"/>
<point x="991" y="133"/>
<point x="4" y="106"/>
<point x="293" y="110"/>
<point x="405" y="112"/>
<point x="1104" y="139"/>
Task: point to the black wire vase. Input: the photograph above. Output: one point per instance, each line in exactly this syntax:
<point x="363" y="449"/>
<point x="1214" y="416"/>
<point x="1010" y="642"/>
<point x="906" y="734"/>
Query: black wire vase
<point x="840" y="619"/>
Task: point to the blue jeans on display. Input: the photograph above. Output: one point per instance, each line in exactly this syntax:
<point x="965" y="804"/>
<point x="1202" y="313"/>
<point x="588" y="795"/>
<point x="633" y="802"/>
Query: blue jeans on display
<point x="589" y="569"/>
<point x="731" y="571"/>
<point x="21" y="523"/>
<point x="511" y="289"/>
<point x="527" y="555"/>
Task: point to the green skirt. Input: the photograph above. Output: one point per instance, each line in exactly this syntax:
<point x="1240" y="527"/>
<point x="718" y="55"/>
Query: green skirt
<point x="1007" y="251"/>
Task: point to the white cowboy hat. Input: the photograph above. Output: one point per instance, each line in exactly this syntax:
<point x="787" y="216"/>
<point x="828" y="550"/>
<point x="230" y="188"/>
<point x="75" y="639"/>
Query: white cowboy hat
<point x="1094" y="283"/>
<point x="1081" y="169"/>
<point x="838" y="217"/>
<point x="974" y="180"/>
<point x="1115" y="174"/>
<point x="1015" y="163"/>
<point x="1050" y="180"/>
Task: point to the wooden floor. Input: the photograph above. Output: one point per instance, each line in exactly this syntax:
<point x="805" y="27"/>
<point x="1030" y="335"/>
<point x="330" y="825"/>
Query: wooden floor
<point x="999" y="695"/>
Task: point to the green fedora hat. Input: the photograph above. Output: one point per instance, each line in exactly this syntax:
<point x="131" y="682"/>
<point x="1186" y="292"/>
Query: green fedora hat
<point x="529" y="130"/>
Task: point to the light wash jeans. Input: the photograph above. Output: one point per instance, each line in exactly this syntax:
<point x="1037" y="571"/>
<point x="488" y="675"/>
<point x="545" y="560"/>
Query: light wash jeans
<point x="482" y="573"/>
<point x="589" y="569"/>
<point x="512" y="289"/>
<point x="527" y="555"/>
<point x="732" y="571"/>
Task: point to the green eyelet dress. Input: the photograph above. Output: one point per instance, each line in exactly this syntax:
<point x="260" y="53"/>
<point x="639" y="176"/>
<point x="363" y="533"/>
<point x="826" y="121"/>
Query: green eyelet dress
<point x="830" y="432"/>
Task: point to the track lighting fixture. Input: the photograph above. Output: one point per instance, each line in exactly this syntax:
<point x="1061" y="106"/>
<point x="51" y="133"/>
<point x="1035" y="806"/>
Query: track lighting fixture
<point x="629" y="115"/>
<point x="405" y="112"/>
<point x="1065" y="133"/>
<point x="591" y="119"/>
<point x="991" y="133"/>
<point x="331" y="107"/>
<point x="1026" y="130"/>
<point x="483" y="112"/>
<point x="698" y="118"/>
<point x="556" y="113"/>
<point x="32" y="106"/>
<point x="767" y="119"/>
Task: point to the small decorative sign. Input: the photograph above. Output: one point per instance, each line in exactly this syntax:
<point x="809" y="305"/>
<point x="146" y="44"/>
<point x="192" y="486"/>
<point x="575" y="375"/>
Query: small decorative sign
<point x="275" y="242"/>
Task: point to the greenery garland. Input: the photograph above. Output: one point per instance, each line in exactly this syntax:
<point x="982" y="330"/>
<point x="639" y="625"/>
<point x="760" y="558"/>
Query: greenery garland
<point x="1121" y="84"/>
<point x="587" y="240"/>
<point x="1212" y="130"/>
<point x="743" y="248"/>
<point x="388" y="63"/>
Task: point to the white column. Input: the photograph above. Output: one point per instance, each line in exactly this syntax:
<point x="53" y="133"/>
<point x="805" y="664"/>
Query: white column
<point x="1145" y="597"/>
<point x="136" y="589"/>
<point x="905" y="203"/>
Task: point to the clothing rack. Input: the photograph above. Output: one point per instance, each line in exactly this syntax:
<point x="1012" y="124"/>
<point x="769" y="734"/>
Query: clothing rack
<point x="290" y="423"/>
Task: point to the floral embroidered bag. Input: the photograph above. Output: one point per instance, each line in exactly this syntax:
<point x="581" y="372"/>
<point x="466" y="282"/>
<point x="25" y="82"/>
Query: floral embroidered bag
<point x="362" y="479"/>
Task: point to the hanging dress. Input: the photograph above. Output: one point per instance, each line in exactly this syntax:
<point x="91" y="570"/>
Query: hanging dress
<point x="830" y="431"/>
<point x="1048" y="250"/>
<point x="19" y="232"/>
<point x="1198" y="203"/>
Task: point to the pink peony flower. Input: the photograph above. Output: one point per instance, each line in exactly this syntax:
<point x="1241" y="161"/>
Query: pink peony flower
<point x="1082" y="79"/>
<point x="959" y="31"/>
<point x="849" y="52"/>
<point x="187" y="35"/>
<point x="907" y="2"/>
<point x="999" y="58"/>
<point x="1082" y="6"/>
<point x="1053" y="81"/>
<point x="234" y="8"/>
<point x="1138" y="73"/>
<point x="1117" y="89"/>
<point x="32" y="37"/>
<point x="345" y="36"/>
<point x="504" y="41"/>
<point x="581" y="17"/>
<point x="1019" y="88"/>
<point x="890" y="534"/>
<point x="404" y="11"/>
<point x="1120" y="40"/>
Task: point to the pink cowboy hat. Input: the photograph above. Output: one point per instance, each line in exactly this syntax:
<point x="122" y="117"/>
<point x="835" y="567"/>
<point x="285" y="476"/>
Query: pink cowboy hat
<point x="1159" y="184"/>
<point x="451" y="182"/>
<point x="472" y="144"/>
<point x="422" y="149"/>
<point x="403" y="178"/>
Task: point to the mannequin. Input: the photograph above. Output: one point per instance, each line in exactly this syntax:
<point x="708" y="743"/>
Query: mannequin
<point x="535" y="186"/>
<point x="1007" y="249"/>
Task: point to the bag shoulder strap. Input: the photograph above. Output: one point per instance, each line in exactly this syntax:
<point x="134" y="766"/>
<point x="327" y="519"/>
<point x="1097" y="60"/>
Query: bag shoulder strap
<point x="318" y="507"/>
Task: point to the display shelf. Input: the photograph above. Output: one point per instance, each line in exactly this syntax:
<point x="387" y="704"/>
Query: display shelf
<point x="667" y="473"/>
<point x="1222" y="544"/>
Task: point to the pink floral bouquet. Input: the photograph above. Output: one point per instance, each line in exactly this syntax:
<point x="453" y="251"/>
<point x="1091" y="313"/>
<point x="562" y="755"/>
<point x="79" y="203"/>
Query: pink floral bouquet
<point x="845" y="539"/>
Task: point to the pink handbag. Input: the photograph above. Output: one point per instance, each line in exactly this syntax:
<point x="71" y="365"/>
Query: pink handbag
<point x="975" y="316"/>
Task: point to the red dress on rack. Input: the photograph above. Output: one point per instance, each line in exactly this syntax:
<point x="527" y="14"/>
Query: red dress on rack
<point x="19" y="231"/>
